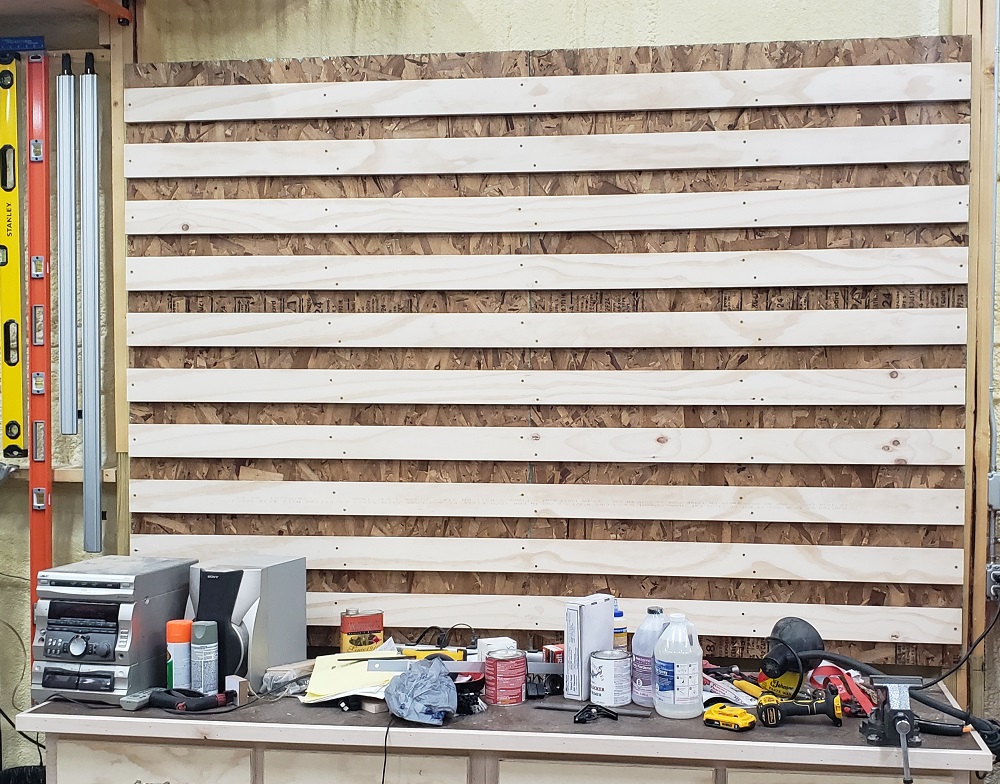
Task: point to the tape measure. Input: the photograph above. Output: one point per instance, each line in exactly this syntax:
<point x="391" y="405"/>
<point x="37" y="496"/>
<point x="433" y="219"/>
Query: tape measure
<point x="11" y="267"/>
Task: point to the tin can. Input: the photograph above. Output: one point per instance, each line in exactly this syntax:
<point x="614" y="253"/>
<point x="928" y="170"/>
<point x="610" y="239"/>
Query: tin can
<point x="360" y="630"/>
<point x="506" y="677"/>
<point x="611" y="678"/>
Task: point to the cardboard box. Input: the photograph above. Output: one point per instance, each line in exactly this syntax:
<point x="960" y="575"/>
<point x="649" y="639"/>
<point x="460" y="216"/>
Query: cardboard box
<point x="554" y="654"/>
<point x="589" y="628"/>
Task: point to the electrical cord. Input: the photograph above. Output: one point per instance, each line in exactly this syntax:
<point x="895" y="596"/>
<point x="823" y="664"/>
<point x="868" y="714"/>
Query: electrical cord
<point x="965" y="656"/>
<point x="13" y="697"/>
<point x="385" y="747"/>
<point x="988" y="729"/>
<point x="445" y="640"/>
<point x="423" y="634"/>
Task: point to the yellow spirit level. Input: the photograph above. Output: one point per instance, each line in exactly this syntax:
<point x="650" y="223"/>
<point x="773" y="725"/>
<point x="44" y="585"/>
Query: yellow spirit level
<point x="11" y="280"/>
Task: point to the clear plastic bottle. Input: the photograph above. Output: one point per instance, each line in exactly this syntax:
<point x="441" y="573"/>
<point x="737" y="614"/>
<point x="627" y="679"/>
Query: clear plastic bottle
<point x="643" y="643"/>
<point x="621" y="630"/>
<point x="678" y="670"/>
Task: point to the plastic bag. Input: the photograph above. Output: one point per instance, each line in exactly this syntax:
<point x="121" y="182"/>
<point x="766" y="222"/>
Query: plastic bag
<point x="425" y="693"/>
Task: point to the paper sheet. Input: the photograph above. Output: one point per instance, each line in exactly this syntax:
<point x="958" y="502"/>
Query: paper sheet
<point x="343" y="674"/>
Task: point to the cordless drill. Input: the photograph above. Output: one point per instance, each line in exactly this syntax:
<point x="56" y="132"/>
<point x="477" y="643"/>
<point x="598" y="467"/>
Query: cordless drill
<point x="772" y="711"/>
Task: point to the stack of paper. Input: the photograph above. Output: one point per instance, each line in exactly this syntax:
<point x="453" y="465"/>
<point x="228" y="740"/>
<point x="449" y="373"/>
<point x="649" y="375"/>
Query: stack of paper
<point x="344" y="674"/>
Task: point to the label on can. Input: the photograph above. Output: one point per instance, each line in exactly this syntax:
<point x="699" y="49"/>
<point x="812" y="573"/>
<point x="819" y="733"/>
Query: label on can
<point x="678" y="684"/>
<point x="611" y="678"/>
<point x="205" y="668"/>
<point x="360" y="630"/>
<point x="506" y="677"/>
<point x="642" y="678"/>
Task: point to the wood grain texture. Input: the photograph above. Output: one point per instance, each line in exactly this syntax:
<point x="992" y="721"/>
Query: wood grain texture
<point x="547" y="95"/>
<point x="580" y="152"/>
<point x="519" y="771"/>
<point x="468" y="272"/>
<point x="580" y="387"/>
<point x="675" y="559"/>
<point x="865" y="623"/>
<point x="917" y="326"/>
<point x="303" y="767"/>
<point x="416" y="436"/>
<point x="569" y="444"/>
<point x="558" y="62"/>
<point x="575" y="501"/>
<point x="109" y="762"/>
<point x="812" y="207"/>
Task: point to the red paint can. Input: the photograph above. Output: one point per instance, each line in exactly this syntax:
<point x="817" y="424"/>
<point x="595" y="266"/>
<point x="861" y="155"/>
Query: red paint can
<point x="360" y="630"/>
<point x="506" y="677"/>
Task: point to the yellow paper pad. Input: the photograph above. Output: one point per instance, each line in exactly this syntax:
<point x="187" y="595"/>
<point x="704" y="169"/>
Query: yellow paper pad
<point x="347" y="673"/>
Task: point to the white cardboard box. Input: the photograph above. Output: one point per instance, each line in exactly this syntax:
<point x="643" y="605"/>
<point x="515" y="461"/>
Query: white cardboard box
<point x="589" y="628"/>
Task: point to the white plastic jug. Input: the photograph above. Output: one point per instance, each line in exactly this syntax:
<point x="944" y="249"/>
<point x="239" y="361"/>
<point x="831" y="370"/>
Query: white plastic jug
<point x="643" y="645"/>
<point x="678" y="670"/>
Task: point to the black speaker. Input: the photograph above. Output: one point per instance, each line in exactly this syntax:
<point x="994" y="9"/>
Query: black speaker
<point x="217" y="599"/>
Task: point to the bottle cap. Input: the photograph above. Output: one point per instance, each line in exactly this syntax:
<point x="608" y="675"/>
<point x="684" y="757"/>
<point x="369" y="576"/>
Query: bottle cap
<point x="204" y="632"/>
<point x="179" y="631"/>
<point x="655" y="610"/>
<point x="619" y="613"/>
<point x="677" y="617"/>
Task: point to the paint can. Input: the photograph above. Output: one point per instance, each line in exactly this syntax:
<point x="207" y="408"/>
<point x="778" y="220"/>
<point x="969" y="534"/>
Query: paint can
<point x="361" y="630"/>
<point x="611" y="678"/>
<point x="506" y="677"/>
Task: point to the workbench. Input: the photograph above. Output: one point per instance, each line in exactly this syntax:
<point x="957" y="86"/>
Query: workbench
<point x="285" y="742"/>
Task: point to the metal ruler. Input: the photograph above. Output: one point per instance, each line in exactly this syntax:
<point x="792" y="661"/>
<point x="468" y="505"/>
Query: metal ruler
<point x="11" y="267"/>
<point x="402" y="665"/>
<point x="39" y="305"/>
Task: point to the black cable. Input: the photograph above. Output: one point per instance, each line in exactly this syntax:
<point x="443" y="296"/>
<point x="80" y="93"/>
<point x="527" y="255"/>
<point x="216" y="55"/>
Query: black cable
<point x="385" y="747"/>
<point x="60" y="697"/>
<point x="447" y="635"/>
<point x="988" y="729"/>
<point x="422" y="634"/>
<point x="965" y="656"/>
<point x="798" y="663"/>
<point x="28" y="738"/>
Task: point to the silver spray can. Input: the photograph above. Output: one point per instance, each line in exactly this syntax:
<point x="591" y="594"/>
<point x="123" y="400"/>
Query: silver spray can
<point x="205" y="657"/>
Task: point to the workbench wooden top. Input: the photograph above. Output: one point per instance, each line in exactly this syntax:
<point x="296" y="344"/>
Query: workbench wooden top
<point x="518" y="729"/>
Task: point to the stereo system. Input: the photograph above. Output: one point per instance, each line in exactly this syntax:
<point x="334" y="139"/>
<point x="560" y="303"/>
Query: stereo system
<point x="101" y="624"/>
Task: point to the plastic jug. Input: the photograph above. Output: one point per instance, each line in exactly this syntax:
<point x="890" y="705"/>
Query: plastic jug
<point x="678" y="670"/>
<point x="643" y="643"/>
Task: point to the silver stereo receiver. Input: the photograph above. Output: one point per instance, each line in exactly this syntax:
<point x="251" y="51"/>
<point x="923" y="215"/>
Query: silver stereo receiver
<point x="100" y="626"/>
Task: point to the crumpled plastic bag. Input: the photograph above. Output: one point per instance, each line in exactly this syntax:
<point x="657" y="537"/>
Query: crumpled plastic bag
<point x="425" y="693"/>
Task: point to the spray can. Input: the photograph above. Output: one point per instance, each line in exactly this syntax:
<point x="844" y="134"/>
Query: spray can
<point x="179" y="654"/>
<point x="205" y="657"/>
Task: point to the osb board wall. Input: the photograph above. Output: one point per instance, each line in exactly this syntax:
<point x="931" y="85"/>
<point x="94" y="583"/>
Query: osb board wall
<point x="555" y="63"/>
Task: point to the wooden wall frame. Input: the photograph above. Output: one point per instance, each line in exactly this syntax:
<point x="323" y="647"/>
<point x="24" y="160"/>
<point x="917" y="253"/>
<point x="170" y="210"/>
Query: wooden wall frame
<point x="186" y="227"/>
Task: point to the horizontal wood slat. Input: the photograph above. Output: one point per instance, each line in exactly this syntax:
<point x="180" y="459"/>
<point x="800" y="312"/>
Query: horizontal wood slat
<point x="891" y="506"/>
<point x="824" y="267"/>
<point x="553" y="94"/>
<point x="598" y="152"/>
<point x="552" y="387"/>
<point x="713" y="618"/>
<point x="254" y="329"/>
<point x="667" y="211"/>
<point x="671" y="559"/>
<point x="555" y="444"/>
<point x="902" y="326"/>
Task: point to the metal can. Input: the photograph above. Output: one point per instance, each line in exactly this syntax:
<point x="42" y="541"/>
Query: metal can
<point x="506" y="677"/>
<point x="360" y="630"/>
<point x="611" y="678"/>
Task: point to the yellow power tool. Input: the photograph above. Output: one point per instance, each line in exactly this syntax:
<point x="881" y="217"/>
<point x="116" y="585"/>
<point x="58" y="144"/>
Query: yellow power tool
<point x="773" y="711"/>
